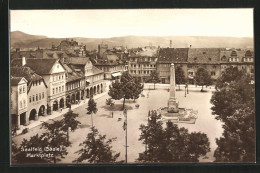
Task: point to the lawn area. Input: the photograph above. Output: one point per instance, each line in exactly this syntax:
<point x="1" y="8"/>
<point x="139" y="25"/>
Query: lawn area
<point x="154" y="99"/>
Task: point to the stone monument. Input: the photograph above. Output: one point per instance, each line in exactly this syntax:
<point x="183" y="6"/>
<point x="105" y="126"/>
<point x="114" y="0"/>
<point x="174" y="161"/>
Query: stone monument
<point x="172" y="103"/>
<point x="173" y="112"/>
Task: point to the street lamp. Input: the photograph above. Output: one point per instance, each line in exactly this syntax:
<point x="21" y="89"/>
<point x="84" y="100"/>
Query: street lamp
<point x="125" y="128"/>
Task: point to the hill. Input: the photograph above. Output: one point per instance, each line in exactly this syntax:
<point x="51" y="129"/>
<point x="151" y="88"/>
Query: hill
<point x="23" y="40"/>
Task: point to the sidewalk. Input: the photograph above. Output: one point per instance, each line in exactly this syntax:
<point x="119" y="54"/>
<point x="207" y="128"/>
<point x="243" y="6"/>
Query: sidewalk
<point x="56" y="114"/>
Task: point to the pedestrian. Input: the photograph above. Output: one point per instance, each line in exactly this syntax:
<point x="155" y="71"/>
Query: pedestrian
<point x="112" y="114"/>
<point x="15" y="129"/>
<point x="60" y="109"/>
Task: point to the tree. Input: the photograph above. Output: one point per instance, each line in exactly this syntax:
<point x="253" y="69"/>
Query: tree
<point x="171" y="144"/>
<point x="202" y="78"/>
<point x="234" y="105"/>
<point x="96" y="149"/>
<point x="48" y="147"/>
<point x="69" y="120"/>
<point x="180" y="77"/>
<point x="92" y="108"/>
<point x="138" y="89"/>
<point x="230" y="74"/>
<point x="126" y="88"/>
<point x="153" y="78"/>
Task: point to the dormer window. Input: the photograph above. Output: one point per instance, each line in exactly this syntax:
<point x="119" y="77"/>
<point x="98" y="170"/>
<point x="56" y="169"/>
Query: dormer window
<point x="195" y="59"/>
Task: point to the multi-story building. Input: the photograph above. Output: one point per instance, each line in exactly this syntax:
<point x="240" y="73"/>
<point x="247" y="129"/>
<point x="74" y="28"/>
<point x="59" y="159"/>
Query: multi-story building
<point x="93" y="77"/>
<point x="36" y="92"/>
<point x="242" y="59"/>
<point x="207" y="58"/>
<point x="166" y="56"/>
<point x="75" y="85"/>
<point x="53" y="74"/>
<point x="19" y="115"/>
<point x="142" y="63"/>
<point x="111" y="65"/>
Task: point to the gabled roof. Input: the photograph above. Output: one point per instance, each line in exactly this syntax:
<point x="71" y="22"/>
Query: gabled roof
<point x="14" y="81"/>
<point x="28" y="74"/>
<point x="40" y="65"/>
<point x="204" y="55"/>
<point x="173" y="55"/>
<point x="25" y="72"/>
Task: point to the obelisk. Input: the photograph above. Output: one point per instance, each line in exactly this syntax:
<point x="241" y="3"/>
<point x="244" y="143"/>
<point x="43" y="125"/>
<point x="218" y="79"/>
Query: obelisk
<point x="172" y="103"/>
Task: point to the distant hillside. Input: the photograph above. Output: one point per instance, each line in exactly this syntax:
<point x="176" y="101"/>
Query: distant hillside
<point x="23" y="40"/>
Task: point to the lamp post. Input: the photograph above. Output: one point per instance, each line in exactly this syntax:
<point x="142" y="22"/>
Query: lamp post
<point x="125" y="128"/>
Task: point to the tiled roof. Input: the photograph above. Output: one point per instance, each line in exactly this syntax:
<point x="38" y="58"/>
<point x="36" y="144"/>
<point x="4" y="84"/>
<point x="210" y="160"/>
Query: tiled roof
<point x="78" y="60"/>
<point x="173" y="55"/>
<point x="204" y="55"/>
<point x="239" y="54"/>
<point x="39" y="65"/>
<point x="15" y="80"/>
<point x="25" y="72"/>
<point x="73" y="76"/>
<point x="144" y="52"/>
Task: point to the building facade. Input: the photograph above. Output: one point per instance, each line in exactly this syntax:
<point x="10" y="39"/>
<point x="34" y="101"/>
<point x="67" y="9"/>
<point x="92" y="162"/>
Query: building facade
<point x="18" y="107"/>
<point x="142" y="63"/>
<point x="36" y="92"/>
<point x="166" y="56"/>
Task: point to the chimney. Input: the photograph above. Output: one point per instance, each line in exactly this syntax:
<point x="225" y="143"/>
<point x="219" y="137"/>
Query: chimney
<point x="23" y="61"/>
<point x="170" y="43"/>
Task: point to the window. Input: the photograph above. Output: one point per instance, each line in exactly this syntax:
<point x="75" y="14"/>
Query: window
<point x="43" y="95"/>
<point x="24" y="103"/>
<point x="213" y="73"/>
<point x="23" y="89"/>
<point x="62" y="88"/>
<point x="59" y="77"/>
<point x="59" y="89"/>
<point x="40" y="96"/>
<point x="56" y="89"/>
<point x="36" y="97"/>
<point x="30" y="99"/>
<point x="57" y="66"/>
<point x="191" y="73"/>
<point x="20" y="90"/>
<point x="21" y="104"/>
<point x="53" y="91"/>
<point x="33" y="98"/>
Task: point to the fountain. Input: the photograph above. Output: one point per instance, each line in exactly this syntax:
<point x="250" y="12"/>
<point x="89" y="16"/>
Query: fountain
<point x="173" y="112"/>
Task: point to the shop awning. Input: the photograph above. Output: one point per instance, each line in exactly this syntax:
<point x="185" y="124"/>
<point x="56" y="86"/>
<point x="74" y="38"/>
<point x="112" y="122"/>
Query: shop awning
<point x="116" y="74"/>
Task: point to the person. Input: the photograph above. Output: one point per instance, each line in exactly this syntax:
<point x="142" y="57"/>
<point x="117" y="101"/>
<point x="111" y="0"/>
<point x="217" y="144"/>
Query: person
<point x="14" y="131"/>
<point x="112" y="114"/>
<point x="60" y="109"/>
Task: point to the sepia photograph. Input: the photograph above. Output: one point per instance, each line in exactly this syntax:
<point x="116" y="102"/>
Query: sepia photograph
<point x="132" y="86"/>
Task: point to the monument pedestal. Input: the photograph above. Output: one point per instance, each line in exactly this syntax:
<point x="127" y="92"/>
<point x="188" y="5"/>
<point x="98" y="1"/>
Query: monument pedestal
<point x="173" y="106"/>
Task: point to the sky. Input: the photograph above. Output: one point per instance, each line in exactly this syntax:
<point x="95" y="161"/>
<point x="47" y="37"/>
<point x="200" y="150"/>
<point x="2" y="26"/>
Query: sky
<point x="140" y="22"/>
